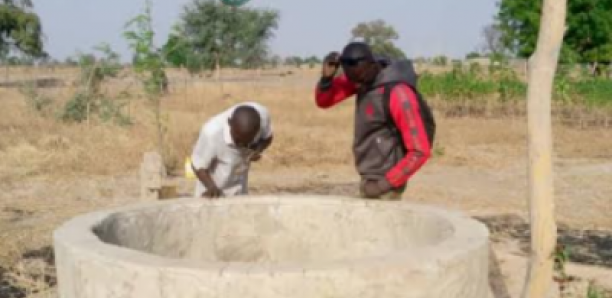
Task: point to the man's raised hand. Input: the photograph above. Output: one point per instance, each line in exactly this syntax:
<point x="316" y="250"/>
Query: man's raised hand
<point x="331" y="64"/>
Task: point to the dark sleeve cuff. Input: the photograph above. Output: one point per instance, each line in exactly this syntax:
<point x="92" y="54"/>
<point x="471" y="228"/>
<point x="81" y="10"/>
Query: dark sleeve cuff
<point x="325" y="83"/>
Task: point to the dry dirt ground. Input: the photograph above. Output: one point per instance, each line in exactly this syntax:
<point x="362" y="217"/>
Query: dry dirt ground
<point x="50" y="172"/>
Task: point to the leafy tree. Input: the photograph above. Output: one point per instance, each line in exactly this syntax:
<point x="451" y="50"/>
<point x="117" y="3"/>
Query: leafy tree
<point x="588" y="38"/>
<point x="234" y="3"/>
<point x="12" y="60"/>
<point x="440" y="60"/>
<point x="312" y="61"/>
<point x="149" y="65"/>
<point x="20" y="29"/>
<point x="70" y="61"/>
<point x="175" y="51"/>
<point x="294" y="61"/>
<point x="493" y="44"/>
<point x="472" y="55"/>
<point x="211" y="35"/>
<point x="256" y="30"/>
<point x="89" y="98"/>
<point x="275" y="61"/>
<point x="380" y="36"/>
<point x="148" y="60"/>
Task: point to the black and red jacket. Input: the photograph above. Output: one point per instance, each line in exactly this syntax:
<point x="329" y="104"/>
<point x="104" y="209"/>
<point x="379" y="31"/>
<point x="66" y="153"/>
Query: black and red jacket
<point x="379" y="155"/>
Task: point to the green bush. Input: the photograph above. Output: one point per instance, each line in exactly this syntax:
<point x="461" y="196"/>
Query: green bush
<point x="504" y="84"/>
<point x="35" y="100"/>
<point x="89" y="100"/>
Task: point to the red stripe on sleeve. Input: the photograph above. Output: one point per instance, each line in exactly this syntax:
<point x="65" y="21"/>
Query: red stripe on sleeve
<point x="405" y="112"/>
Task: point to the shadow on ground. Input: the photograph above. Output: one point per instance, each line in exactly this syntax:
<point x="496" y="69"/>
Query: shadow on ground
<point x="589" y="247"/>
<point x="345" y="189"/>
<point x="35" y="272"/>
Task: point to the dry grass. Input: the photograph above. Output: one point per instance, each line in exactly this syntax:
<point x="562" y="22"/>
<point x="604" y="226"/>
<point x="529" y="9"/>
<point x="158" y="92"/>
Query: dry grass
<point x="41" y="153"/>
<point x="33" y="146"/>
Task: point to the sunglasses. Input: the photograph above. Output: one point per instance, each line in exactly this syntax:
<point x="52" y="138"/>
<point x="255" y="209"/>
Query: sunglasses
<point x="349" y="61"/>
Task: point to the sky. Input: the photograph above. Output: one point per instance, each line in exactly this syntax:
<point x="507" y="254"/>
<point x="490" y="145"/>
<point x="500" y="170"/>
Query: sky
<point x="306" y="27"/>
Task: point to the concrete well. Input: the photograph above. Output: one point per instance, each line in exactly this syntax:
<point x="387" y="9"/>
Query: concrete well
<point x="273" y="247"/>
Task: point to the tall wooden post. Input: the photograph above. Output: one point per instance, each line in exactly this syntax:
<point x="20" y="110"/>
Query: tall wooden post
<point x="542" y="68"/>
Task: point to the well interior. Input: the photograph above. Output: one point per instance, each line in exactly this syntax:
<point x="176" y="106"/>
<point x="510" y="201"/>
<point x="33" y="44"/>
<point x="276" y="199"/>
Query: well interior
<point x="273" y="233"/>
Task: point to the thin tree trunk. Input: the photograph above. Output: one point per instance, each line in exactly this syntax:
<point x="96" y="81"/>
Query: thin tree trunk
<point x="160" y="132"/>
<point x="88" y="112"/>
<point x="542" y="69"/>
<point x="185" y="96"/>
<point x="160" y="127"/>
<point x="217" y="68"/>
<point x="218" y="74"/>
<point x="88" y="91"/>
<point x="594" y="68"/>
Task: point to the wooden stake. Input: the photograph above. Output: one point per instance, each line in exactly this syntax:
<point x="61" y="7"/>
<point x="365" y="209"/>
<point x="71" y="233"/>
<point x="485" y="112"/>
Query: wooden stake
<point x="542" y="68"/>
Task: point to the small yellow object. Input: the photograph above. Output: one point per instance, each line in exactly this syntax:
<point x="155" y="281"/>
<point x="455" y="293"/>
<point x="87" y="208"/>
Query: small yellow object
<point x="189" y="174"/>
<point x="168" y="191"/>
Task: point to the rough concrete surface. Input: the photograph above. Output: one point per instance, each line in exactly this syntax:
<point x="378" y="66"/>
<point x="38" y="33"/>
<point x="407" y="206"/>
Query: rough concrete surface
<point x="152" y="173"/>
<point x="269" y="247"/>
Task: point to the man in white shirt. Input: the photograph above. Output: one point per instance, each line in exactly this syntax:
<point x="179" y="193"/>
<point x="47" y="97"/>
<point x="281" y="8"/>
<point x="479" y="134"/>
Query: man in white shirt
<point x="226" y="146"/>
